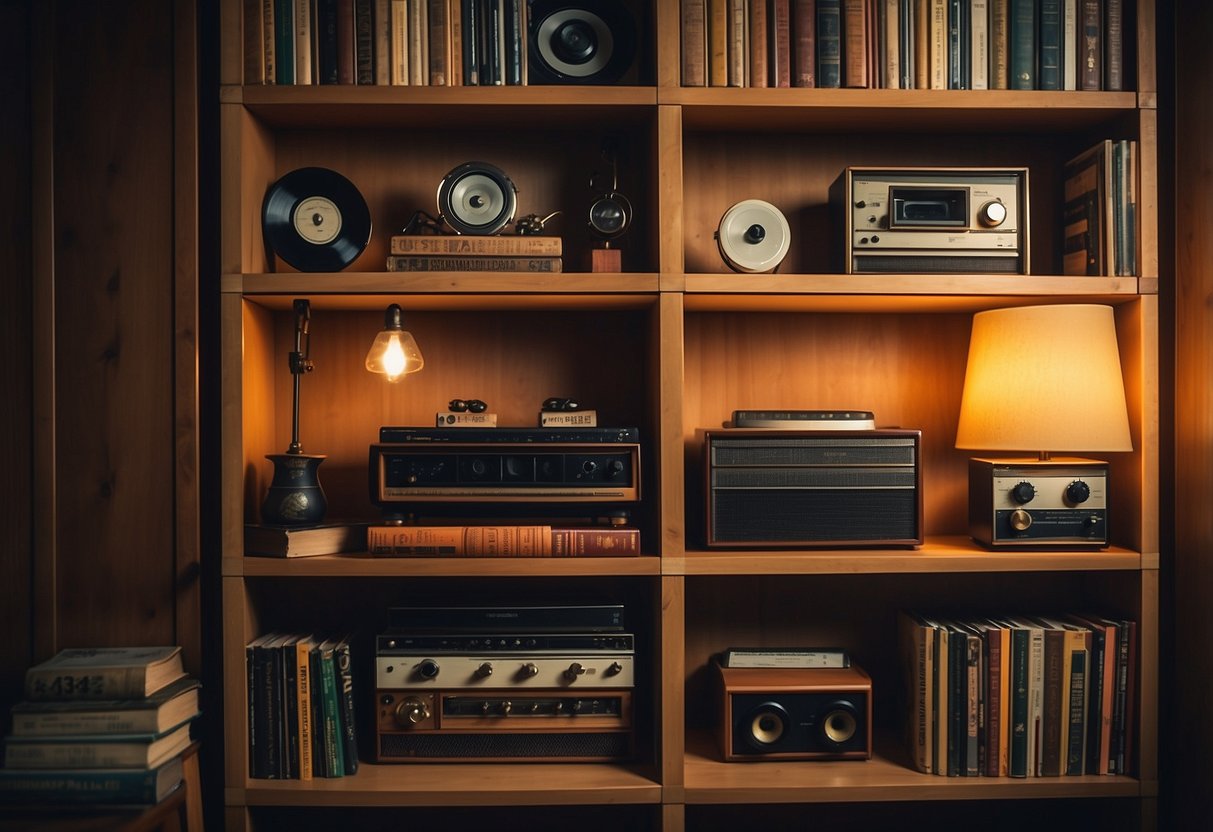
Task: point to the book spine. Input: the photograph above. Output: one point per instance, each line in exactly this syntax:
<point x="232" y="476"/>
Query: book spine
<point x="345" y="693"/>
<point x="939" y="750"/>
<point x="502" y="246"/>
<point x="955" y="60"/>
<point x="1048" y="71"/>
<point x="829" y="44"/>
<point x="1022" y="49"/>
<point x="957" y="702"/>
<point x="284" y="41"/>
<point x="573" y="419"/>
<point x="922" y="44"/>
<point x="326" y="41"/>
<point x="1052" y="698"/>
<point x="381" y="43"/>
<point x="1000" y="44"/>
<point x="972" y="755"/>
<point x="980" y="45"/>
<point x="346" y="47"/>
<point x="694" y="44"/>
<point x="256" y="766"/>
<point x="407" y="263"/>
<point x="1114" y="45"/>
<point x="334" y="764"/>
<point x="1018" y="766"/>
<point x="84" y="684"/>
<point x="515" y="37"/>
<point x="303" y="42"/>
<point x="994" y="701"/>
<point x="1069" y="44"/>
<point x="253" y="41"/>
<point x="759" y="40"/>
<point x="320" y="741"/>
<point x="437" y="46"/>
<point x="855" y="50"/>
<point x="1130" y="722"/>
<point x="460" y="541"/>
<point x="303" y="706"/>
<point x="93" y="722"/>
<point x="890" y="45"/>
<point x="470" y="22"/>
<point x="1090" y="47"/>
<point x="735" y="43"/>
<point x="418" y="37"/>
<point x="454" y="42"/>
<point x="792" y="58"/>
<point x="290" y="711"/>
<point x="364" y="42"/>
<point x="718" y="40"/>
<point x="937" y="45"/>
<point x="72" y="755"/>
<point x="113" y="786"/>
<point x="912" y="638"/>
<point x="594" y="542"/>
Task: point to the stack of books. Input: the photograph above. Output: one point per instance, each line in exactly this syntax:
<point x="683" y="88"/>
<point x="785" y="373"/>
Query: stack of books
<point x="463" y="253"/>
<point x="100" y="726"/>
<point x="1100" y="210"/>
<point x="301" y="707"/>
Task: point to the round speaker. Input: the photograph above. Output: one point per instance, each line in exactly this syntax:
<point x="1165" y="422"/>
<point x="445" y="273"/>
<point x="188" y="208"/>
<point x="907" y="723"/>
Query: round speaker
<point x="839" y="725"/>
<point x="753" y="236"/>
<point x="582" y="42"/>
<point x="477" y="198"/>
<point x="768" y="723"/>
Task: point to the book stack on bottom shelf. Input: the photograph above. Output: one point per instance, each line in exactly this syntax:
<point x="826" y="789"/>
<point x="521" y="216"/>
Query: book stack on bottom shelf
<point x="100" y="726"/>
<point x="301" y="707"/>
<point x="1020" y="696"/>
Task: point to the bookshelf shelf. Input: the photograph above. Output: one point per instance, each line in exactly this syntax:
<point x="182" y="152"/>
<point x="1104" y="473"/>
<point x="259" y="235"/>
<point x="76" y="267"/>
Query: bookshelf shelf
<point x="672" y="344"/>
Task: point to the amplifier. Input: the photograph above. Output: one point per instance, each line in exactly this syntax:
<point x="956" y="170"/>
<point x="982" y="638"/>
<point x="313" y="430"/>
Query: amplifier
<point x="769" y="488"/>
<point x="504" y="466"/>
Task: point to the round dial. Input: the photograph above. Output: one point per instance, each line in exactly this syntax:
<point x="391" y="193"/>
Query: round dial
<point x="992" y="214"/>
<point x="1023" y="493"/>
<point x="1077" y="492"/>
<point x="1020" y="520"/>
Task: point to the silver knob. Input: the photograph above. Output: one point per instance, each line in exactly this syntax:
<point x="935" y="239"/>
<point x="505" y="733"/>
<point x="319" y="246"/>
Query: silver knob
<point x="992" y="214"/>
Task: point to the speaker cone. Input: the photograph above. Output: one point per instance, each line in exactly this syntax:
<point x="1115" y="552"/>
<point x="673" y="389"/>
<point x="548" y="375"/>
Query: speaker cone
<point x="477" y="198"/>
<point x="585" y="42"/>
<point x="839" y="724"/>
<point x="753" y="236"/>
<point x="768" y="724"/>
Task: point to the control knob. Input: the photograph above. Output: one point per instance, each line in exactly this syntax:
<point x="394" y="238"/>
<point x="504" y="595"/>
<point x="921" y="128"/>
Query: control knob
<point x="484" y="670"/>
<point x="992" y="214"/>
<point x="428" y="668"/>
<point x="573" y="671"/>
<point x="1077" y="492"/>
<point x="528" y="670"/>
<point x="411" y="711"/>
<point x="1020" y="520"/>
<point x="1023" y="493"/>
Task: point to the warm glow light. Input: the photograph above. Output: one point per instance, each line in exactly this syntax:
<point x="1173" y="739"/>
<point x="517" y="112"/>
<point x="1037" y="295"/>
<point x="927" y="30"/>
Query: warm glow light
<point x="1044" y="379"/>
<point x="394" y="352"/>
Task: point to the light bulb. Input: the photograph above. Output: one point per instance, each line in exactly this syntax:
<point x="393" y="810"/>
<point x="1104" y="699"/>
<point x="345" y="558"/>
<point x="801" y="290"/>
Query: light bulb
<point x="394" y="352"/>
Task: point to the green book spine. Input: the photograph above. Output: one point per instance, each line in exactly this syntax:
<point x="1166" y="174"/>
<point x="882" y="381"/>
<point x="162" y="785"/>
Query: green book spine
<point x="1023" y="45"/>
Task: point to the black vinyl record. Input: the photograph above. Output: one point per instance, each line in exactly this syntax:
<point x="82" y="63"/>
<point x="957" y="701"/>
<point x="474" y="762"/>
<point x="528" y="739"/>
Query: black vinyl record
<point x="315" y="220"/>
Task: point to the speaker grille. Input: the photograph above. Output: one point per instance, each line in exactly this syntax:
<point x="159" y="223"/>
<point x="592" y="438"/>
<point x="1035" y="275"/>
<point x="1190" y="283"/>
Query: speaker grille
<point x="766" y="515"/>
<point x="615" y="745"/>
<point x="812" y="451"/>
<point x="814" y="478"/>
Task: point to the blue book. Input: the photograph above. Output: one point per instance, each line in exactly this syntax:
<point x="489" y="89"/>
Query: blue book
<point x="91" y="786"/>
<point x="829" y="43"/>
<point x="1049" y="50"/>
<point x="1023" y="44"/>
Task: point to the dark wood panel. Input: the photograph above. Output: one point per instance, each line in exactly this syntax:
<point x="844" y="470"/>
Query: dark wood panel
<point x="113" y="281"/>
<point x="15" y="345"/>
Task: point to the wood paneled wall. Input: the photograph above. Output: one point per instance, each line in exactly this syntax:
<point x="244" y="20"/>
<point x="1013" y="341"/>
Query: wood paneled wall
<point x="1187" y="729"/>
<point x="100" y="507"/>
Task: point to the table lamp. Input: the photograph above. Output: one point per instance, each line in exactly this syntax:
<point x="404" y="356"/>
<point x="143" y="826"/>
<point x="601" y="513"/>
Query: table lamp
<point x="295" y="497"/>
<point x="1042" y="379"/>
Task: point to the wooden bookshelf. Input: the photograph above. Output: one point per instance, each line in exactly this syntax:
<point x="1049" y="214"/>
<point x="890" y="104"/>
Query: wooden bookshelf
<point x="671" y="344"/>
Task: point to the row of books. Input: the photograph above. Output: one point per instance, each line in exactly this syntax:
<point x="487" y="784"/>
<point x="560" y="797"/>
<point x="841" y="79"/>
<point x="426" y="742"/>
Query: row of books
<point x="385" y="42"/>
<point x="100" y="725"/>
<point x="300" y="707"/>
<point x="1019" y="696"/>
<point x="1100" y="210"/>
<point x="904" y="44"/>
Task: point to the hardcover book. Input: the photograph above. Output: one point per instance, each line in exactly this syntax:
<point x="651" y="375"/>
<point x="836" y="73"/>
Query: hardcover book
<point x="84" y="786"/>
<point x="503" y="541"/>
<point x="165" y="708"/>
<point x="304" y="541"/>
<point x="140" y="751"/>
<point x="104" y="673"/>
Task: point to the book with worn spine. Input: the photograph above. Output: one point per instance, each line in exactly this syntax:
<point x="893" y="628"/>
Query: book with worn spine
<point x="79" y="786"/>
<point x="153" y="714"/>
<point x="503" y="541"/>
<point x="104" y="673"/>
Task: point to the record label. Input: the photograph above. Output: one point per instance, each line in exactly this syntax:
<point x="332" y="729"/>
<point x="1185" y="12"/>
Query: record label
<point x="315" y="220"/>
<point x="318" y="220"/>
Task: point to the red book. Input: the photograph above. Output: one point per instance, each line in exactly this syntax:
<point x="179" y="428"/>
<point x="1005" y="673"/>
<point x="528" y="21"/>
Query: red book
<point x="781" y="43"/>
<point x="804" y="29"/>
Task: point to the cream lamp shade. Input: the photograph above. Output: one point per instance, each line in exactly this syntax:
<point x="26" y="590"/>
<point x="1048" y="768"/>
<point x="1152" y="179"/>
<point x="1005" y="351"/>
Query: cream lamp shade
<point x="1044" y="379"/>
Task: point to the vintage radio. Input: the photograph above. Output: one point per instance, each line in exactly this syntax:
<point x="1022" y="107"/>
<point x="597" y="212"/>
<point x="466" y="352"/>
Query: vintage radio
<point x="809" y="488"/>
<point x="813" y="713"/>
<point x="544" y="683"/>
<point x="933" y="219"/>
<point x="505" y="465"/>
<point x="1061" y="502"/>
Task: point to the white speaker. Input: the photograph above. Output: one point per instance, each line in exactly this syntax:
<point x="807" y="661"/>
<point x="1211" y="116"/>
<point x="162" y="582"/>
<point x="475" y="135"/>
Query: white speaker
<point x="753" y="236"/>
<point x="477" y="198"/>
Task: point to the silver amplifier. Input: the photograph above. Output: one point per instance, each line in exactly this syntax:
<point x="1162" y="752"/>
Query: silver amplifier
<point x="934" y="219"/>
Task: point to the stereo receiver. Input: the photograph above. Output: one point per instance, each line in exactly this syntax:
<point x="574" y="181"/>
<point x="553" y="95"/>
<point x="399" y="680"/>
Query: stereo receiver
<point x="1060" y="502"/>
<point x="934" y="219"/>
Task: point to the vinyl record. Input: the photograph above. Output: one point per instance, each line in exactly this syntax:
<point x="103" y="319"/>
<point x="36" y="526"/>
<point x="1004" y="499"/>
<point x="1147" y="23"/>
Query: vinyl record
<point x="753" y="236"/>
<point x="315" y="220"/>
<point x="477" y="198"/>
<point x="580" y="42"/>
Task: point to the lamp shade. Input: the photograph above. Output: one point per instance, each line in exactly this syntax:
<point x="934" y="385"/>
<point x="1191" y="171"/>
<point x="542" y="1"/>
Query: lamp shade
<point x="1044" y="379"/>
